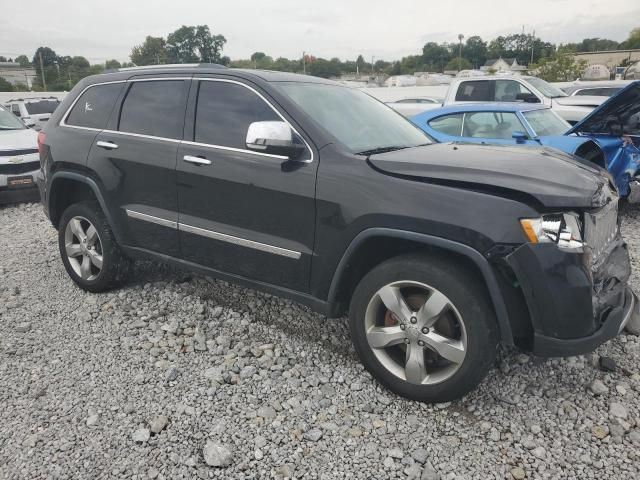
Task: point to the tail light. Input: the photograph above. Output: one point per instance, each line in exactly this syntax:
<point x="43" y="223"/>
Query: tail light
<point x="41" y="139"/>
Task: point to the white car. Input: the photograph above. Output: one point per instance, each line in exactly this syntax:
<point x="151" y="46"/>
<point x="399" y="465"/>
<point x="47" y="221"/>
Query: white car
<point x="34" y="111"/>
<point x="521" y="89"/>
<point x="413" y="106"/>
<point x="19" y="160"/>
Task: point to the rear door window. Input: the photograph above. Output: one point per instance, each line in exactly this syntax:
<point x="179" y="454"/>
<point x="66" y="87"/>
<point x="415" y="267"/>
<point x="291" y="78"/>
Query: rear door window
<point x="496" y="125"/>
<point x="475" y="91"/>
<point x="93" y="108"/>
<point x="225" y="111"/>
<point x="154" y="108"/>
<point x="448" y="124"/>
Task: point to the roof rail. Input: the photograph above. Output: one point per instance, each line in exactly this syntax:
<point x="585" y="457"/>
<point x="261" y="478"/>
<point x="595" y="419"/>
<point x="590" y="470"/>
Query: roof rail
<point x="171" y="65"/>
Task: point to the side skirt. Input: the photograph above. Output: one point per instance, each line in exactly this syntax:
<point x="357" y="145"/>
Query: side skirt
<point x="319" y="306"/>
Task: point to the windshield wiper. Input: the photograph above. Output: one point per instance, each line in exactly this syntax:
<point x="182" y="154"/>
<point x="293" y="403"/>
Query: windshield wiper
<point x="389" y="148"/>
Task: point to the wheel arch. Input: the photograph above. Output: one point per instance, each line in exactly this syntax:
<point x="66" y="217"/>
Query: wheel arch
<point x="79" y="187"/>
<point x="357" y="261"/>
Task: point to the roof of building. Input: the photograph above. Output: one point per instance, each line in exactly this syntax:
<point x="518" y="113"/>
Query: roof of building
<point x="492" y="61"/>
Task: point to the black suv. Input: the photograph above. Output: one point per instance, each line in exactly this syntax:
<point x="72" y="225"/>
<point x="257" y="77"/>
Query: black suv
<point x="318" y="192"/>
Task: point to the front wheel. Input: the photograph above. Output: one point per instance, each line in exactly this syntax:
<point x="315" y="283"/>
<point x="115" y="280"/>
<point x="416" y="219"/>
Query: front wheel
<point x="423" y="328"/>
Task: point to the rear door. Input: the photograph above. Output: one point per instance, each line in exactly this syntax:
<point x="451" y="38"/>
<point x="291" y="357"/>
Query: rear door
<point x="136" y="159"/>
<point x="243" y="212"/>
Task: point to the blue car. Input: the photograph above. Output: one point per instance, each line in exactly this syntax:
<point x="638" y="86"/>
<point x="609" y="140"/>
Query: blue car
<point x="609" y="136"/>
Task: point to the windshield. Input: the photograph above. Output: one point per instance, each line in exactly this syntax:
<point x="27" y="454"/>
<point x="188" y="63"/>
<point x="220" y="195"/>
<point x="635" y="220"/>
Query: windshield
<point x="546" y="89"/>
<point x="360" y="122"/>
<point x="545" y="122"/>
<point x="8" y="121"/>
<point x="41" y="106"/>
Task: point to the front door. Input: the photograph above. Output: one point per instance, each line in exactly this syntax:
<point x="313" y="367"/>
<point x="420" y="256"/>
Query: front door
<point x="137" y="160"/>
<point x="242" y="212"/>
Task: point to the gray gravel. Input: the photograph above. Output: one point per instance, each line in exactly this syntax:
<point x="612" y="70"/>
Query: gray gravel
<point x="181" y="376"/>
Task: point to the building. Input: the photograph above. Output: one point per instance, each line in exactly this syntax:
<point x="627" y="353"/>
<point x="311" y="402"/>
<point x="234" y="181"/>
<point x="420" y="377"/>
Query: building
<point x="503" y="65"/>
<point x="14" y="73"/>
<point x="610" y="58"/>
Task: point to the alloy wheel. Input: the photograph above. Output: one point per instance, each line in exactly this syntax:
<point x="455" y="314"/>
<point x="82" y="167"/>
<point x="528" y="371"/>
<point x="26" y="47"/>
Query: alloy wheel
<point x="415" y="332"/>
<point x="83" y="248"/>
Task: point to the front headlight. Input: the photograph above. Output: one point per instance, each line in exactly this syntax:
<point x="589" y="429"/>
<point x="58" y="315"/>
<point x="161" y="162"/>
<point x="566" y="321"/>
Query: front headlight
<point x="563" y="229"/>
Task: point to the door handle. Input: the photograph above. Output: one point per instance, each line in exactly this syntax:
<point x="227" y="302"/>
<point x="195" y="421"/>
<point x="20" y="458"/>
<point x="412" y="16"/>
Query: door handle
<point x="107" y="145"/>
<point x="196" y="160"/>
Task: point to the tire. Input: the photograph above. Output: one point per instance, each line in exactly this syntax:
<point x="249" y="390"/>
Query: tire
<point x="97" y="264"/>
<point x="388" y="344"/>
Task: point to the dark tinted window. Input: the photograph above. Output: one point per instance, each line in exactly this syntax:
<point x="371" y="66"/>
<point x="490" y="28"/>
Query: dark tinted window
<point x="154" y="108"/>
<point x="601" y="91"/>
<point x="42" y="106"/>
<point x="475" y="91"/>
<point x="94" y="107"/>
<point x="225" y="111"/>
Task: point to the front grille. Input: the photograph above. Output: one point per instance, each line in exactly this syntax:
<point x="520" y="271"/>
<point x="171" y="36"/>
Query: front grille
<point x="18" y="168"/>
<point x="13" y="153"/>
<point x="601" y="227"/>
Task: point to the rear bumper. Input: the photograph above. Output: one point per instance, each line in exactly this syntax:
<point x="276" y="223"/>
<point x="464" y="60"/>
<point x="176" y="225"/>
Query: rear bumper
<point x="575" y="303"/>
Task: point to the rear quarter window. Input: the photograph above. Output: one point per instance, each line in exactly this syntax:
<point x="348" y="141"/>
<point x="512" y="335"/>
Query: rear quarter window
<point x="475" y="91"/>
<point x="42" y="106"/>
<point x="93" y="108"/>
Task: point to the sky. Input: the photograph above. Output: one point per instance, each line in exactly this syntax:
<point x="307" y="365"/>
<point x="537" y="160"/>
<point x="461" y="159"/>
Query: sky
<point x="387" y="30"/>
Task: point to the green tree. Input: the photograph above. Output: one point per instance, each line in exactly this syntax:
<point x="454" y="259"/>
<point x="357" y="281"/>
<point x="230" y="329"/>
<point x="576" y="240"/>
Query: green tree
<point x="633" y="41"/>
<point x="209" y="46"/>
<point x="563" y="68"/>
<point x="150" y="52"/>
<point x="5" y="86"/>
<point x="49" y="68"/>
<point x="23" y="60"/>
<point x="112" y="64"/>
<point x="434" y="56"/>
<point x="458" y="64"/>
<point x="257" y="56"/>
<point x="475" y="50"/>
<point x="194" y="44"/>
<point x="324" y="68"/>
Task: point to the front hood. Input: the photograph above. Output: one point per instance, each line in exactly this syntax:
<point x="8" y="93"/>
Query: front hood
<point x="552" y="178"/>
<point x="18" y="139"/>
<point x="580" y="101"/>
<point x="618" y="116"/>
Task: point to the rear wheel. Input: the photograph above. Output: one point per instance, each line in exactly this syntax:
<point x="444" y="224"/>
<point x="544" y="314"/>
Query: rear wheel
<point x="88" y="249"/>
<point x="423" y="328"/>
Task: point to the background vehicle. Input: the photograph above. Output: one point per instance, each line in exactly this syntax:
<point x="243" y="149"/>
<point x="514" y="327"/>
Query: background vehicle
<point x="599" y="89"/>
<point x="314" y="191"/>
<point x="598" y="138"/>
<point x="412" y="106"/>
<point x="19" y="160"/>
<point x="520" y="89"/>
<point x="33" y="111"/>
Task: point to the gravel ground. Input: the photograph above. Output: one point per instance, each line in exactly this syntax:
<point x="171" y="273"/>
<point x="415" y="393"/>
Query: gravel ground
<point x="182" y="376"/>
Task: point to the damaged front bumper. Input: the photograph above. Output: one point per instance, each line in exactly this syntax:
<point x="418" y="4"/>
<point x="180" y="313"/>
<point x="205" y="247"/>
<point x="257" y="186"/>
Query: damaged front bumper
<point x="575" y="301"/>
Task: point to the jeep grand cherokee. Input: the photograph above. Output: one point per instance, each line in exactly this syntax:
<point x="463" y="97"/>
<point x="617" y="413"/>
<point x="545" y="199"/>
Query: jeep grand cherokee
<point x="317" y="192"/>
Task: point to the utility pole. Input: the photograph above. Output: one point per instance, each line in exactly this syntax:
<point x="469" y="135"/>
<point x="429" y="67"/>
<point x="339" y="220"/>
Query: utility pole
<point x="304" y="64"/>
<point x="533" y="42"/>
<point x="460" y="38"/>
<point x="44" y="83"/>
<point x="372" y="58"/>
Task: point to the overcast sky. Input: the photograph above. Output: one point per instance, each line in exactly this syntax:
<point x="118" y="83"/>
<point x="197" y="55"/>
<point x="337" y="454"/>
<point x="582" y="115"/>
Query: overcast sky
<point x="387" y="29"/>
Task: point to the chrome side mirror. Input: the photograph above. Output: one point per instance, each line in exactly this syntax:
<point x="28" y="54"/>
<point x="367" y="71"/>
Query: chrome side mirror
<point x="273" y="137"/>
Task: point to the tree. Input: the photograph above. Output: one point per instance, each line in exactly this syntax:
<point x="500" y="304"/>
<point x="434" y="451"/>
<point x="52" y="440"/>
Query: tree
<point x="152" y="51"/>
<point x="458" y="64"/>
<point x="633" y="41"/>
<point x="194" y="44"/>
<point x="112" y="64"/>
<point x="23" y="60"/>
<point x="324" y="68"/>
<point x="563" y="68"/>
<point x="3" y="59"/>
<point x="257" y="56"/>
<point x="5" y="86"/>
<point x="475" y="50"/>
<point x="435" y="56"/>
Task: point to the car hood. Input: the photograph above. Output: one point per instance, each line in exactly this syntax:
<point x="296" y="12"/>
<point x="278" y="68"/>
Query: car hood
<point x="552" y="178"/>
<point x="619" y="114"/>
<point x="18" y="139"/>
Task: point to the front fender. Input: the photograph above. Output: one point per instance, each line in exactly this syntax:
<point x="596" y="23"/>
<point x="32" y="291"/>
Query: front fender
<point x="459" y="248"/>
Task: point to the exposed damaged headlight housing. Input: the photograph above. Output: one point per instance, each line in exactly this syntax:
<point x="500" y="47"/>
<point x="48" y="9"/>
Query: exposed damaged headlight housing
<point x="563" y="229"/>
